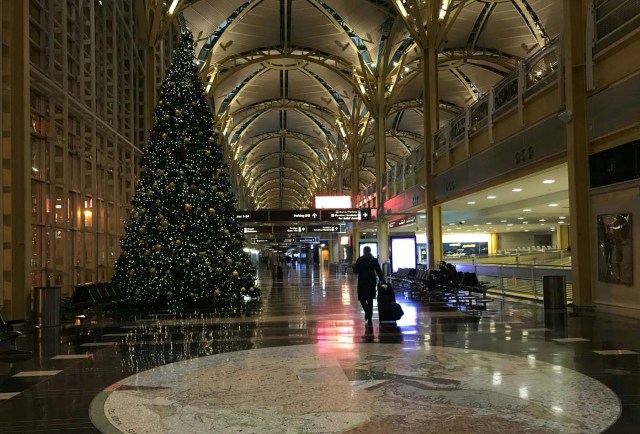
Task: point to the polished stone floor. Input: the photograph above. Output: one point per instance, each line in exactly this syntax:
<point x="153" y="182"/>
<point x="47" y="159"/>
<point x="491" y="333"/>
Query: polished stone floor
<point x="305" y="361"/>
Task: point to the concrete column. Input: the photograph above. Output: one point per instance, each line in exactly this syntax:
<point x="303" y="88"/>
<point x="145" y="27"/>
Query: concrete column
<point x="381" y="166"/>
<point x="383" y="241"/>
<point x="436" y="239"/>
<point x="574" y="38"/>
<point x="20" y="137"/>
<point x="355" y="243"/>
<point x="563" y="236"/>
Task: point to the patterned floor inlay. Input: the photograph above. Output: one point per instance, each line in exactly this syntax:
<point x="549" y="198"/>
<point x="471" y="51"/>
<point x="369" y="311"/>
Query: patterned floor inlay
<point x="365" y="388"/>
<point x="615" y="352"/>
<point x="37" y="373"/>
<point x="72" y="356"/>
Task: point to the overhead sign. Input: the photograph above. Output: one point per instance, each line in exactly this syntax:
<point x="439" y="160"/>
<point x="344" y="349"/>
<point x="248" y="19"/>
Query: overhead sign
<point x="365" y="214"/>
<point x="257" y="229"/>
<point x="402" y="222"/>
<point x="305" y="215"/>
<point x="344" y="215"/>
<point x="252" y="216"/>
<point x="288" y="229"/>
<point x="326" y="228"/>
<point x="308" y="240"/>
<point x="261" y="241"/>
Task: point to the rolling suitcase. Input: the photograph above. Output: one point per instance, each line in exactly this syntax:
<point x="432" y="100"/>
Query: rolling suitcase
<point x="388" y="309"/>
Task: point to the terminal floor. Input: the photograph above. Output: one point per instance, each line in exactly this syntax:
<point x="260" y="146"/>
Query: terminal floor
<point x="305" y="361"/>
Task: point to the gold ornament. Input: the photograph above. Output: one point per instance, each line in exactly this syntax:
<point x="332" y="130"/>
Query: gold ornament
<point x="226" y="231"/>
<point x="178" y="112"/>
<point x="214" y="187"/>
<point x="169" y="294"/>
<point x="165" y="223"/>
<point x="147" y="252"/>
<point x="193" y="187"/>
<point x="202" y="253"/>
<point x="187" y="140"/>
<point x="243" y="289"/>
<point x="130" y="273"/>
<point x="141" y="230"/>
<point x="218" y="270"/>
<point x="157" y="202"/>
<point x="141" y="242"/>
<point x="229" y="261"/>
<point x="142" y="211"/>
<point x="207" y="152"/>
<point x="235" y="274"/>
<point x="187" y="206"/>
<point x="152" y="270"/>
<point x="157" y="247"/>
<point x="200" y="133"/>
<point x="164" y="136"/>
<point x="149" y="193"/>
<point x="178" y="243"/>
<point x="212" y="211"/>
<point x="182" y="227"/>
<point x="251" y="288"/>
<point x="172" y="185"/>
<point x="159" y="172"/>
<point x="198" y="209"/>
<point x="181" y="172"/>
<point x="220" y="194"/>
<point x="207" y="263"/>
<point x="167" y="117"/>
<point x="201" y="192"/>
<point x="220" y="252"/>
<point x="211" y="139"/>
<point x="187" y="262"/>
<point x="216" y="292"/>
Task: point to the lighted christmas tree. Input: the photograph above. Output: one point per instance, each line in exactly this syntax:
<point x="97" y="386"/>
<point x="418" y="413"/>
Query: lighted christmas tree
<point x="182" y="245"/>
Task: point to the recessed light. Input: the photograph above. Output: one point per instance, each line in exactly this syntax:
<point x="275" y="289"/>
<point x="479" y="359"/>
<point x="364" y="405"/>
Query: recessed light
<point x="491" y="197"/>
<point x="520" y="218"/>
<point x="471" y="203"/>
<point x="525" y="223"/>
<point x="489" y="223"/>
<point x="552" y="205"/>
<point x="516" y="190"/>
<point x="548" y="181"/>
<point x="503" y="221"/>
<point x="452" y="224"/>
<point x="526" y="230"/>
<point x="475" y="226"/>
<point x="526" y="210"/>
<point x="562" y="218"/>
<point x="510" y="224"/>
<point x="542" y="224"/>
<point x="542" y="220"/>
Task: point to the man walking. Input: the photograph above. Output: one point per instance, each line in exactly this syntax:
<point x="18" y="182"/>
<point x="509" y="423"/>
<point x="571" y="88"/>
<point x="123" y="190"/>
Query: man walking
<point x="366" y="267"/>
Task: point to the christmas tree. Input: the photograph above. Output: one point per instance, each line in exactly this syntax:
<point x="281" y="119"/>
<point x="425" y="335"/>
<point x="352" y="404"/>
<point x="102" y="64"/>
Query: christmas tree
<point x="182" y="245"/>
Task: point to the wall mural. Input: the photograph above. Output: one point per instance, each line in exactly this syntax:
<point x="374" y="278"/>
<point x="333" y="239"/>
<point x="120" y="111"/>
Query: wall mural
<point x="615" y="248"/>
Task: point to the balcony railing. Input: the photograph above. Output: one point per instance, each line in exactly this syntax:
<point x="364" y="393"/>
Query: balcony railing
<point x="614" y="19"/>
<point x="536" y="73"/>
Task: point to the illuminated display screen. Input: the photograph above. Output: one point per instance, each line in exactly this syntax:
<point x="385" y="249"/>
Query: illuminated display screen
<point x="373" y="245"/>
<point x="403" y="253"/>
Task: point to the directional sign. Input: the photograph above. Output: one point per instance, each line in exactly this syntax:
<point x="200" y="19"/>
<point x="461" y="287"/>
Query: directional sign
<point x="252" y="216"/>
<point x="289" y="229"/>
<point x="344" y="215"/>
<point x="308" y="240"/>
<point x="365" y="214"/>
<point x="402" y="222"/>
<point x="326" y="228"/>
<point x="304" y="215"/>
<point x="257" y="229"/>
<point x="261" y="241"/>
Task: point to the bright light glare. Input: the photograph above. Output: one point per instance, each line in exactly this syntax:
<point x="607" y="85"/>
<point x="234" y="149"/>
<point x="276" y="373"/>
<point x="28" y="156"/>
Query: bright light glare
<point x="173" y="6"/>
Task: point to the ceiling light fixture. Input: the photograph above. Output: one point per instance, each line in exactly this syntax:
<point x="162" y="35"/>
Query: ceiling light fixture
<point x="552" y="205"/>
<point x="548" y="181"/>
<point x="471" y="203"/>
<point x="503" y="221"/>
<point x="173" y="6"/>
<point x="491" y="197"/>
<point x="516" y="190"/>
<point x="526" y="210"/>
<point x="562" y="218"/>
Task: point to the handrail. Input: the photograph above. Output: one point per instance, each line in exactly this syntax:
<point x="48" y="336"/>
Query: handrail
<point x="614" y="19"/>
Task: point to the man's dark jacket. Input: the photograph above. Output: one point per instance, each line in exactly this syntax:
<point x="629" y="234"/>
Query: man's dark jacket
<point x="367" y="267"/>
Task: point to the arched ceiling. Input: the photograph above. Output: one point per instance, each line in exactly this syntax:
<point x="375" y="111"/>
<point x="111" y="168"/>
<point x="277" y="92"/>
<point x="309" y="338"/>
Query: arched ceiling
<point x="291" y="81"/>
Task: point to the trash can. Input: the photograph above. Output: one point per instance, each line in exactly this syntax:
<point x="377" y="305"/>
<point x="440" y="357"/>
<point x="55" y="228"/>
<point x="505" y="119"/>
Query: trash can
<point x="46" y="306"/>
<point x="554" y="292"/>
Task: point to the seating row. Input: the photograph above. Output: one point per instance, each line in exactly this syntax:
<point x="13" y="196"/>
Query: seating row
<point x="94" y="295"/>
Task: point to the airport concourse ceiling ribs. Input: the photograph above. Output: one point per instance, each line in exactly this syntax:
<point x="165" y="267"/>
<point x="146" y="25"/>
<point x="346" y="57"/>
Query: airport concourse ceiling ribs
<point x="292" y="82"/>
